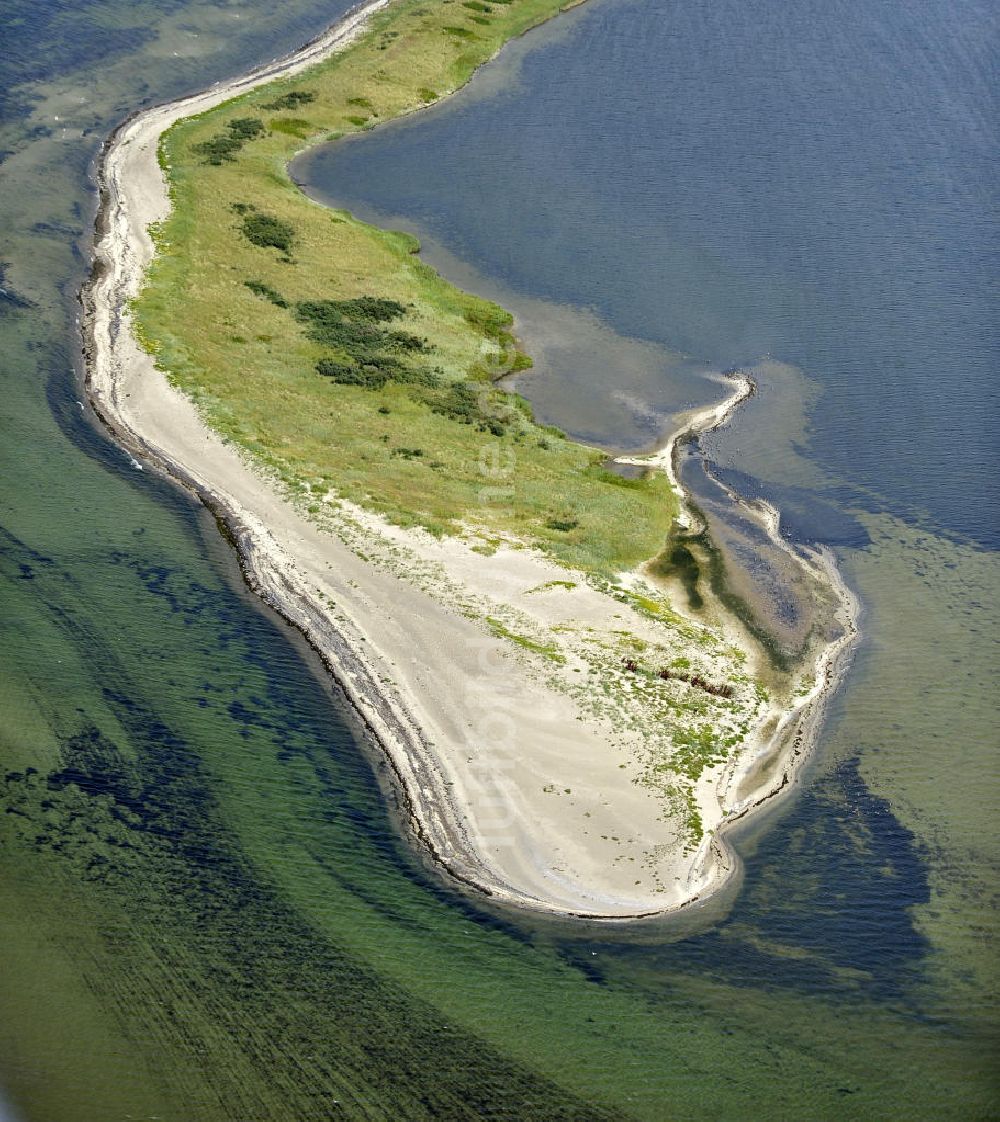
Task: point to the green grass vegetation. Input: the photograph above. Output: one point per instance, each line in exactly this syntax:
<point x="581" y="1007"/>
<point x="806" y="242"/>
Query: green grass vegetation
<point x="547" y="650"/>
<point x="323" y="345"/>
<point x="291" y="126"/>
<point x="569" y="585"/>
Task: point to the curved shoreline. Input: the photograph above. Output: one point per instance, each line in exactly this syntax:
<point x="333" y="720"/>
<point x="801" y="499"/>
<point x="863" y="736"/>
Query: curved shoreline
<point x="701" y="422"/>
<point x="122" y="250"/>
<point x="790" y="744"/>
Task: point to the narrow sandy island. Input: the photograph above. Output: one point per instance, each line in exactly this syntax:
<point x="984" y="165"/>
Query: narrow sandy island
<point x="542" y="751"/>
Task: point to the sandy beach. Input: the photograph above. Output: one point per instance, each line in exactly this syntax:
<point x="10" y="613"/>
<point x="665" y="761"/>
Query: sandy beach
<point x="520" y="776"/>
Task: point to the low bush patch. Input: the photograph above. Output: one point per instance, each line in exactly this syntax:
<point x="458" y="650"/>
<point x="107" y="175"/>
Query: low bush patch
<point x="291" y="100"/>
<point x="266" y="230"/>
<point x="259" y="288"/>
<point x="222" y="149"/>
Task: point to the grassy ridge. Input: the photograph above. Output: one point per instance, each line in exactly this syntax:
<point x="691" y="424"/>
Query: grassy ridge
<point x="418" y="433"/>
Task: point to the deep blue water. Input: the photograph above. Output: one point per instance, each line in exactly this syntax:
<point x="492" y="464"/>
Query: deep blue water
<point x="812" y="181"/>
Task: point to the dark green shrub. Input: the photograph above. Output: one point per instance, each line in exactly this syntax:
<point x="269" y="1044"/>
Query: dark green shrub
<point x="266" y="230"/>
<point x="469" y="404"/>
<point x="384" y="364"/>
<point x="246" y="128"/>
<point x="367" y="377"/>
<point x="417" y="376"/>
<point x="460" y="402"/>
<point x="259" y="288"/>
<point x="374" y="309"/>
<point x="222" y="149"/>
<point x="218" y="150"/>
<point x="291" y="100"/>
<point x="350" y="325"/>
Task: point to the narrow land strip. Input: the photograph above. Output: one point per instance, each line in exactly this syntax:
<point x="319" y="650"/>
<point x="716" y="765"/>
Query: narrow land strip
<point x="562" y="736"/>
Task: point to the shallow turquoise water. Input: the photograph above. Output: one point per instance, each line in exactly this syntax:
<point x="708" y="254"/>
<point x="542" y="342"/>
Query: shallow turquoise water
<point x="208" y="912"/>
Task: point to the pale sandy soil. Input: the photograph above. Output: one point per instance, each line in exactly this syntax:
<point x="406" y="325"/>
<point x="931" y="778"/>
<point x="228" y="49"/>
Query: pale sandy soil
<point x="539" y="772"/>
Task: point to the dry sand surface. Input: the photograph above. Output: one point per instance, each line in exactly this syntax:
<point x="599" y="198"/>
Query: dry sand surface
<point x="518" y="776"/>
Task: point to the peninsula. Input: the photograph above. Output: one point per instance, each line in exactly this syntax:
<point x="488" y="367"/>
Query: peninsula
<point x="565" y="731"/>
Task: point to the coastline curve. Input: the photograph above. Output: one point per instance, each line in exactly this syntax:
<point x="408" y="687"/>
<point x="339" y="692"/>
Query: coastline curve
<point x="140" y="412"/>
